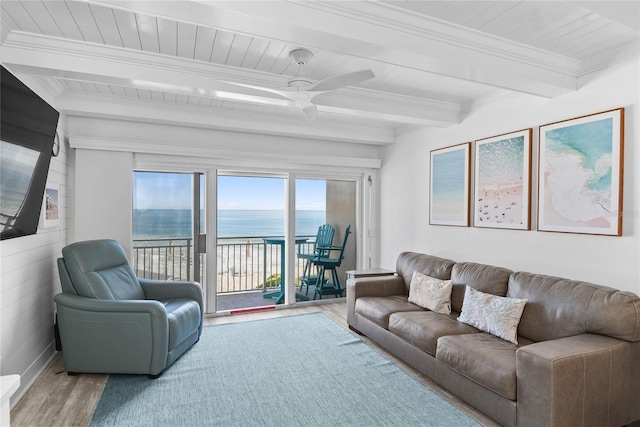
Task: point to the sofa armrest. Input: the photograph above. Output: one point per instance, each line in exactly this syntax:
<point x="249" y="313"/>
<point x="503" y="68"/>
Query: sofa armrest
<point x="126" y="336"/>
<point x="377" y="286"/>
<point x="583" y="379"/>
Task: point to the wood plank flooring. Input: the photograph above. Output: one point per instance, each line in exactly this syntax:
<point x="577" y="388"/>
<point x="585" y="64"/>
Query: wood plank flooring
<point x="56" y="399"/>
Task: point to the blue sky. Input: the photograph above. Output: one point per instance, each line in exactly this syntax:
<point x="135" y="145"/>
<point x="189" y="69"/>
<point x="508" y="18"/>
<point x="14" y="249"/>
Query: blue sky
<point x="156" y="190"/>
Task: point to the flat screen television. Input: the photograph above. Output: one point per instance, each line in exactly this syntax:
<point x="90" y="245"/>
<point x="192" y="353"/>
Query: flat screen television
<point x="27" y="134"/>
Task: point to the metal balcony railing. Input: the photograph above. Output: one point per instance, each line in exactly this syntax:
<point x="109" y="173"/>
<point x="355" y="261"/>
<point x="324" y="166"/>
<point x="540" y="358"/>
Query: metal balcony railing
<point x="243" y="263"/>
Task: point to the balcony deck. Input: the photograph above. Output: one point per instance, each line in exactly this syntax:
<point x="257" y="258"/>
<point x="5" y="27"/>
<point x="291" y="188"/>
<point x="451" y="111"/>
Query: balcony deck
<point x="249" y="299"/>
<point x="245" y="267"/>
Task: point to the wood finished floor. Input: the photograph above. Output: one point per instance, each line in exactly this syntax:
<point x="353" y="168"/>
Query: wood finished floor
<point x="56" y="399"/>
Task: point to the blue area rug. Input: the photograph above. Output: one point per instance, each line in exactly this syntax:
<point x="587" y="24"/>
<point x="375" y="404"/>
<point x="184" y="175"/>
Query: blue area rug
<point x="300" y="370"/>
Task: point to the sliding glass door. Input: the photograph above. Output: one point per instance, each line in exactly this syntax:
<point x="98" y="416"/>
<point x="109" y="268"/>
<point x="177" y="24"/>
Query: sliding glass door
<point x="250" y="212"/>
<point x="168" y="225"/>
<point x="250" y="257"/>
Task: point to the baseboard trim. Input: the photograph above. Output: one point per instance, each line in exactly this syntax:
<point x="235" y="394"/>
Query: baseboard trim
<point x="31" y="374"/>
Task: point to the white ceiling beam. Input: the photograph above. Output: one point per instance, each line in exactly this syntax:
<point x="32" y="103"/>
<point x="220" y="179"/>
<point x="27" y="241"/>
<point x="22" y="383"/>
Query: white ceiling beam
<point x="149" y="111"/>
<point x="370" y="30"/>
<point x="69" y="59"/>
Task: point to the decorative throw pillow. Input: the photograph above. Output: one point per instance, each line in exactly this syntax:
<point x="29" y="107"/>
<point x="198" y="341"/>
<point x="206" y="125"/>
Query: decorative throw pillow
<point x="496" y="315"/>
<point x="431" y="293"/>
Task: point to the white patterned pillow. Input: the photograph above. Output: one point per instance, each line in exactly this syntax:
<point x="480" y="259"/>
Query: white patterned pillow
<point x="496" y="315"/>
<point x="431" y="293"/>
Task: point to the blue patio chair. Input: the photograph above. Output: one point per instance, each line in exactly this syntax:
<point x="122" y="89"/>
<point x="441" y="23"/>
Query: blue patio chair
<point x="329" y="258"/>
<point x="324" y="238"/>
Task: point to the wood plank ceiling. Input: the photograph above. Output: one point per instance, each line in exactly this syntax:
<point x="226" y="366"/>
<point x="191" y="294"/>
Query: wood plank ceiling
<point x="197" y="59"/>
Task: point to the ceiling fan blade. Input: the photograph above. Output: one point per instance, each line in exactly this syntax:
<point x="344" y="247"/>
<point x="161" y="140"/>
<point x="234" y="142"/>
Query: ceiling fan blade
<point x="281" y="93"/>
<point x="342" y="80"/>
<point x="310" y="111"/>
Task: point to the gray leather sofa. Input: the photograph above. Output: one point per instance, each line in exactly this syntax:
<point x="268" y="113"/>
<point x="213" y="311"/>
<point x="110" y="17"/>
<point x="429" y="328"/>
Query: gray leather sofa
<point x="112" y="322"/>
<point x="577" y="361"/>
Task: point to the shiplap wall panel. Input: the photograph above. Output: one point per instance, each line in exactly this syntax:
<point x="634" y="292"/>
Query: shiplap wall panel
<point x="186" y="40"/>
<point x="106" y="22"/>
<point x="272" y="52"/>
<point x="28" y="282"/>
<point x="255" y="51"/>
<point x="204" y="44"/>
<point x="167" y="36"/>
<point x="20" y="16"/>
<point x="85" y="21"/>
<point x="239" y="48"/>
<point x="45" y="23"/>
<point x="64" y="20"/>
<point x="149" y="37"/>
<point x="128" y="29"/>
<point x="221" y="46"/>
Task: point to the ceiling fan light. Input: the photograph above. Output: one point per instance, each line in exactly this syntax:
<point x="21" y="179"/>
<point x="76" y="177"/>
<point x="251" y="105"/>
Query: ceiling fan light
<point x="299" y="81"/>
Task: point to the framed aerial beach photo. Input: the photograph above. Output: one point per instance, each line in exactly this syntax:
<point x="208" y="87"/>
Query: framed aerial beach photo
<point x="50" y="216"/>
<point x="503" y="181"/>
<point x="450" y="182"/>
<point x="580" y="174"/>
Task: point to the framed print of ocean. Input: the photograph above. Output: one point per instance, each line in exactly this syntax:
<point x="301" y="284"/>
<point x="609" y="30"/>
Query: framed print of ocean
<point x="450" y="182"/>
<point x="580" y="174"/>
<point x="503" y="181"/>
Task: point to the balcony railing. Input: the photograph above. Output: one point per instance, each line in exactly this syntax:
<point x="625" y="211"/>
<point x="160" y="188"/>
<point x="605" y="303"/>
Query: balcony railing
<point x="243" y="263"/>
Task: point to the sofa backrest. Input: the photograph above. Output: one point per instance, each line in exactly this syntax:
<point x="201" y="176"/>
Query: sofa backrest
<point x="481" y="277"/>
<point x="408" y="262"/>
<point x="559" y="308"/>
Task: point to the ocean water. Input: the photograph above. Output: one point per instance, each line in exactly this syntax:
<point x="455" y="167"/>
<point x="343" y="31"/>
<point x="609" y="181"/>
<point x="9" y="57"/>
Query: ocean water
<point x="176" y="223"/>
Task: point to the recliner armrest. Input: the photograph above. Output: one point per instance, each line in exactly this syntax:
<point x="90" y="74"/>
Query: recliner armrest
<point x="574" y="379"/>
<point x="163" y="290"/>
<point x="124" y="336"/>
<point x="152" y="307"/>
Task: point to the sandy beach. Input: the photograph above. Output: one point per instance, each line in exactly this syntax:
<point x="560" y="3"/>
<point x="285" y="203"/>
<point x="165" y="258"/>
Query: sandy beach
<point x="500" y="204"/>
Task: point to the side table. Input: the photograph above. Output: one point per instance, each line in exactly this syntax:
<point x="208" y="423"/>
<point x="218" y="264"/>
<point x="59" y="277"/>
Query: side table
<point x="369" y="272"/>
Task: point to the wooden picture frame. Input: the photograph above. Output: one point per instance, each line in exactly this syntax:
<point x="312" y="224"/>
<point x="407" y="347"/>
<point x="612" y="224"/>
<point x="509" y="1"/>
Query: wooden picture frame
<point x="450" y="181"/>
<point x="502" y="184"/>
<point x="50" y="215"/>
<point x="580" y="174"/>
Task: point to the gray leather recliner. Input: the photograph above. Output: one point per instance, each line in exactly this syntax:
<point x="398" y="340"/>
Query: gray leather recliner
<point x="112" y="322"/>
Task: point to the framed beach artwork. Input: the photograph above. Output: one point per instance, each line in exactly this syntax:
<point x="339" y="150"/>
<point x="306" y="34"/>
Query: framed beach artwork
<point x="50" y="216"/>
<point x="503" y="181"/>
<point x="580" y="176"/>
<point x="450" y="182"/>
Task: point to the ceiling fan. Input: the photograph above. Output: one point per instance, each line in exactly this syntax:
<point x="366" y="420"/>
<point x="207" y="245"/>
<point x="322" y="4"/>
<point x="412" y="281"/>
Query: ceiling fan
<point x="302" y="90"/>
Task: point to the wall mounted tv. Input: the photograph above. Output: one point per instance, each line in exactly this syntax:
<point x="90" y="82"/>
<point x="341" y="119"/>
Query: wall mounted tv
<point x="27" y="134"/>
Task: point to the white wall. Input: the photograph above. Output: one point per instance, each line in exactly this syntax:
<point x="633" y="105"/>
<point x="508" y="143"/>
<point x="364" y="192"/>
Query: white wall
<point x="28" y="281"/>
<point x="611" y="261"/>
<point x="102" y="196"/>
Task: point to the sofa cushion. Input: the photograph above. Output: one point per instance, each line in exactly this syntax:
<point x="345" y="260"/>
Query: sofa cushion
<point x="408" y="262"/>
<point x="423" y="328"/>
<point x="482" y="277"/>
<point x="483" y="358"/>
<point x="378" y="309"/>
<point x="496" y="315"/>
<point x="559" y="308"/>
<point x="430" y="292"/>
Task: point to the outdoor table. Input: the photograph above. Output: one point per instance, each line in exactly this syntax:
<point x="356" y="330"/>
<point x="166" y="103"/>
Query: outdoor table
<point x="279" y="295"/>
